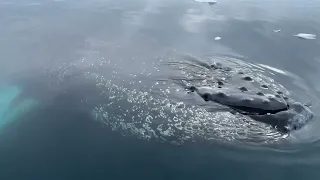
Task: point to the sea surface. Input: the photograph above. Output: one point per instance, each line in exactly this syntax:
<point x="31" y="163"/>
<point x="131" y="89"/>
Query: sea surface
<point x="71" y="72"/>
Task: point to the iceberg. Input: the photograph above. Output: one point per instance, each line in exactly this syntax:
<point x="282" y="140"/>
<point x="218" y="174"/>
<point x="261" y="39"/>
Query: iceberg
<point x="305" y="36"/>
<point x="206" y="1"/>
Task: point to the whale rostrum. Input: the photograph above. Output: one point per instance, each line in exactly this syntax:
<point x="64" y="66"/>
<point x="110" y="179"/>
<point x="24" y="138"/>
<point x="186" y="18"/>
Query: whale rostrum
<point x="239" y="99"/>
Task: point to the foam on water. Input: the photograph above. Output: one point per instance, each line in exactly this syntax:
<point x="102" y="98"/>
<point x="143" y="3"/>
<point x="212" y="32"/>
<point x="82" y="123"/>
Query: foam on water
<point x="164" y="112"/>
<point x="136" y="113"/>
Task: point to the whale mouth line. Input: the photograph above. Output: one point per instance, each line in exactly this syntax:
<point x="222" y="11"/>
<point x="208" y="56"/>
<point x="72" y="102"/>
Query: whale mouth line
<point x="256" y="111"/>
<point x="245" y="110"/>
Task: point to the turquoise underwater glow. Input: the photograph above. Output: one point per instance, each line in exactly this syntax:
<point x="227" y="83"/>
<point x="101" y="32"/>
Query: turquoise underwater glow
<point x="7" y="112"/>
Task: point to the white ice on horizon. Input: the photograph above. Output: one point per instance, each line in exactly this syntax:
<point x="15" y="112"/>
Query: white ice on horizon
<point x="206" y="1"/>
<point x="217" y="38"/>
<point x="305" y="36"/>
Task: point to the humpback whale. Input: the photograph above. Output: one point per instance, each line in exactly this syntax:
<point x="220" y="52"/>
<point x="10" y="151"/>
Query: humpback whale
<point x="189" y="100"/>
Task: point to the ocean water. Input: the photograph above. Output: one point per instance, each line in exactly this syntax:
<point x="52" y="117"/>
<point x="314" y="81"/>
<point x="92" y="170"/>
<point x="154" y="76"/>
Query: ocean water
<point x="84" y="89"/>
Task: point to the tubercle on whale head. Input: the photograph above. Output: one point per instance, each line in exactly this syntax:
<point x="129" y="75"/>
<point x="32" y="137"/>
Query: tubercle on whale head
<point x="204" y="92"/>
<point x="192" y="88"/>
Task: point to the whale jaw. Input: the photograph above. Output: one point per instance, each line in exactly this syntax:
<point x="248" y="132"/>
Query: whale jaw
<point x="247" y="102"/>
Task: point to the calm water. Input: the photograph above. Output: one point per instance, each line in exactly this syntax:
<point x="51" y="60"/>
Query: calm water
<point x="49" y="48"/>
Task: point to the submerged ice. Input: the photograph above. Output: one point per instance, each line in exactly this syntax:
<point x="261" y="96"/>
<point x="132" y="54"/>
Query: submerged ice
<point x="9" y="108"/>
